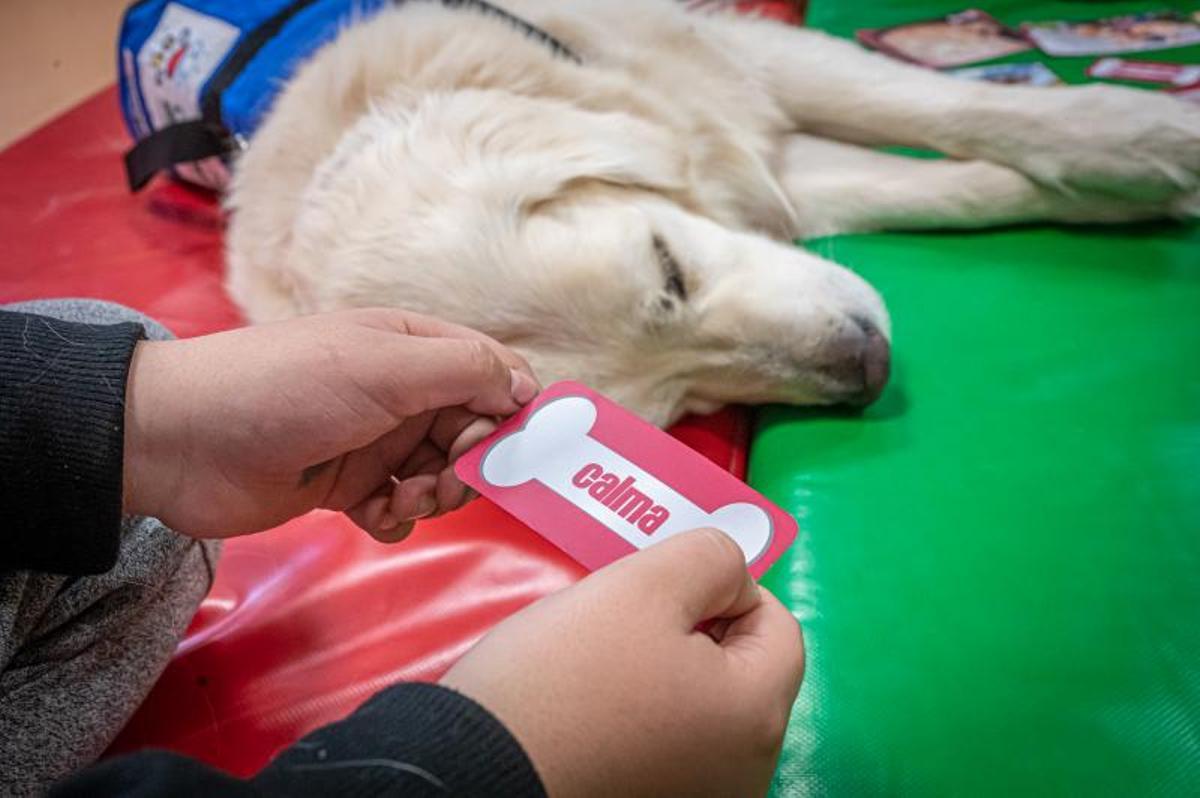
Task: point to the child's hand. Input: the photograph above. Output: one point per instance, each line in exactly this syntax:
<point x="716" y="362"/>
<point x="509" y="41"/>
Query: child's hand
<point x="362" y="411"/>
<point x="611" y="690"/>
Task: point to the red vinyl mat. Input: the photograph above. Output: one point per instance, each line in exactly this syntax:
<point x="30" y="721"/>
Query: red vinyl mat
<point x="304" y="622"/>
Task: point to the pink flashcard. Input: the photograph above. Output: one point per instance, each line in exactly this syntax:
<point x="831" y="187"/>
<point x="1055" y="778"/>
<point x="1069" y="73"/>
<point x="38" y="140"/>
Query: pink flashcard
<point x="599" y="482"/>
<point x="1189" y="93"/>
<point x="1145" y="71"/>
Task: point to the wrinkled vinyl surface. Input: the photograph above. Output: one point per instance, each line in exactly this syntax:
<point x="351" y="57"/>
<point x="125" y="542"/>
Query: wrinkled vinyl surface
<point x="999" y="564"/>
<point x="307" y="621"/>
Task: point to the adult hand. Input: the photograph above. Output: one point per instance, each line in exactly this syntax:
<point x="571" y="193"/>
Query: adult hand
<point x="363" y="411"/>
<point x="612" y="691"/>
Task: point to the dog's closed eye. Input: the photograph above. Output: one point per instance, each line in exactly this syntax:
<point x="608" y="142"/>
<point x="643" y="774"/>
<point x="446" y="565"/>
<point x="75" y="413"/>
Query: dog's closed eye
<point x="672" y="272"/>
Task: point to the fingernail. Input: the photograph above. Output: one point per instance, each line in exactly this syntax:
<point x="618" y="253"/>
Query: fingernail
<point x="388" y="522"/>
<point x="524" y="388"/>
<point x="425" y="507"/>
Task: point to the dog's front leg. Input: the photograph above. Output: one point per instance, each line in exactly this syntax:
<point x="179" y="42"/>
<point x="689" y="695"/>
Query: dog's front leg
<point x="1125" y="143"/>
<point x="845" y="188"/>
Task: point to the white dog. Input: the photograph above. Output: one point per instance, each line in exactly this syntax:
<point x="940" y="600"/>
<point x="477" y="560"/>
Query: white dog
<point x="621" y="211"/>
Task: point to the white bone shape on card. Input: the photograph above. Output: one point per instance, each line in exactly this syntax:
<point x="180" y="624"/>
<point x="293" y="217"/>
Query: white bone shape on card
<point x="554" y="448"/>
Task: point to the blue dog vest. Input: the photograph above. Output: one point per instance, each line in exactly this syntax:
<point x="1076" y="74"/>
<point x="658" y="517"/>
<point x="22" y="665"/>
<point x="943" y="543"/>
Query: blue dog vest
<point x="198" y="76"/>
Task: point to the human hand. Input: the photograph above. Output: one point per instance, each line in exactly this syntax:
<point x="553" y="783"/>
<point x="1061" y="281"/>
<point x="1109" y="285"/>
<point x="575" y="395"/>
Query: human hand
<point x="363" y="411"/>
<point x="612" y="691"/>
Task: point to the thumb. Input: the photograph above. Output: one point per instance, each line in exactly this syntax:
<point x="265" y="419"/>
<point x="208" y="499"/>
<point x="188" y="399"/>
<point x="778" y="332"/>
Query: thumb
<point x="695" y="576"/>
<point x="436" y="373"/>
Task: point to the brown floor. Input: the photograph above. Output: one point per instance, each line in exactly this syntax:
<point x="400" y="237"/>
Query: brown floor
<point x="53" y="53"/>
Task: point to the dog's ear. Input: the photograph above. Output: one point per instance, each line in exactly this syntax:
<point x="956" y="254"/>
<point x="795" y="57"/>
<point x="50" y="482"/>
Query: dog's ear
<point x="531" y="148"/>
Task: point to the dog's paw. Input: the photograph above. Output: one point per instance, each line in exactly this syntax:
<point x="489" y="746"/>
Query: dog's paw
<point x="1123" y="143"/>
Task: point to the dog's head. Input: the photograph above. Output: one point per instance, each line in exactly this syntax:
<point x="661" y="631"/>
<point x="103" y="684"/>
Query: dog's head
<point x="576" y="238"/>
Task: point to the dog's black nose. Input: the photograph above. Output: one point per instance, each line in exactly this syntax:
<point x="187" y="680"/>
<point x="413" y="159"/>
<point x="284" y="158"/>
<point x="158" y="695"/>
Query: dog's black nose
<point x="876" y="363"/>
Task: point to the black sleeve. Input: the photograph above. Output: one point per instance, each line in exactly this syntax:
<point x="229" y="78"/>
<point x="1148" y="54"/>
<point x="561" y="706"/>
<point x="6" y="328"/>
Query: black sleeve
<point x="409" y="740"/>
<point x="62" y="430"/>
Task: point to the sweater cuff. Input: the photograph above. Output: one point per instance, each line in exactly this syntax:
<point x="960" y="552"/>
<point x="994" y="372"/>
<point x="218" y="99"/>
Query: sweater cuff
<point x="62" y="442"/>
<point x="410" y="739"/>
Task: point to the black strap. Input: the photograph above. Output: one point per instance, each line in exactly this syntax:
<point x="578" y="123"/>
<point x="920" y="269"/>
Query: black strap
<point x="181" y="142"/>
<point x="198" y="139"/>
<point x="243" y="54"/>
<point x="532" y="31"/>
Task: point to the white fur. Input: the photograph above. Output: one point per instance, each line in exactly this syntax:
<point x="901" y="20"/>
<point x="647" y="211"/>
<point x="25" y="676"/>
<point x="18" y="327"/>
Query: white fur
<point x="438" y="160"/>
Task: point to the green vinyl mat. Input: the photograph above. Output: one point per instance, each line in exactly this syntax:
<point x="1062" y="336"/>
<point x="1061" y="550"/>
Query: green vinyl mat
<point x="999" y="565"/>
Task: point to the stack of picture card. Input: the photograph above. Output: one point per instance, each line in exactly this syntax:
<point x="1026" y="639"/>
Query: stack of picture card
<point x="1132" y="33"/>
<point x="972" y="36"/>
